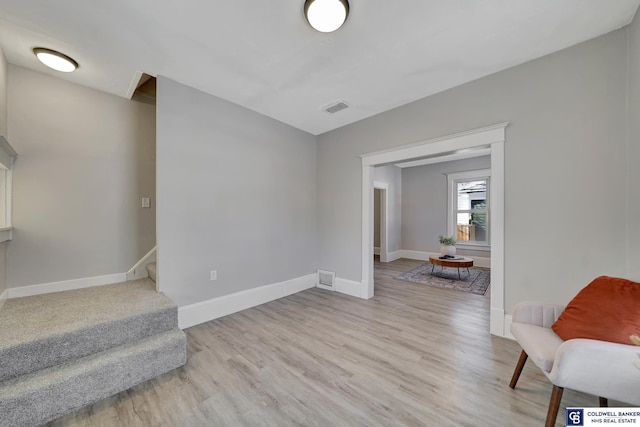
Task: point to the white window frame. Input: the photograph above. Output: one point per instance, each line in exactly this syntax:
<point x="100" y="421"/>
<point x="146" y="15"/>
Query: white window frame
<point x="7" y="159"/>
<point x="452" y="208"/>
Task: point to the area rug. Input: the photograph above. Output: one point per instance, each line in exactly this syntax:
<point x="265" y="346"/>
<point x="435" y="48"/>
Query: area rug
<point x="475" y="282"/>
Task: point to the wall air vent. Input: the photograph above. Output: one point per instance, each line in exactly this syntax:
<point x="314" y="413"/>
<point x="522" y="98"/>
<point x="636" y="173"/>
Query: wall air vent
<point x="335" y="107"/>
<point x="326" y="280"/>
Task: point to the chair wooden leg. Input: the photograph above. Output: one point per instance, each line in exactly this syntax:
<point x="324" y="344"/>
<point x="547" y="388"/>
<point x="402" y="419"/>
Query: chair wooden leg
<point x="604" y="402"/>
<point x="518" y="370"/>
<point x="554" y="405"/>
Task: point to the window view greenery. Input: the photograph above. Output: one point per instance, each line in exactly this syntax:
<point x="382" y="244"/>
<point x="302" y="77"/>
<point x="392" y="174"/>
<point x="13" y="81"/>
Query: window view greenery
<point x="472" y="211"/>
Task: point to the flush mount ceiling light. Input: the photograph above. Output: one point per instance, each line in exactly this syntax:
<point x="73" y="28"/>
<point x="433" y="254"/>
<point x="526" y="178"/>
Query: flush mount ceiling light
<point x="56" y="60"/>
<point x="326" y="15"/>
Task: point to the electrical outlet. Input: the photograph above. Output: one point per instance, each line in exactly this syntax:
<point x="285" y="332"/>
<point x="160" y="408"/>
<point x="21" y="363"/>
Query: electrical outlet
<point x="145" y="202"/>
<point x="213" y="275"/>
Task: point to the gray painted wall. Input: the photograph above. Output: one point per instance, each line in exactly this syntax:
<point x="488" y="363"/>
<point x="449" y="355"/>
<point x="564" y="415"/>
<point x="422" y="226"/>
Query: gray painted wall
<point x="566" y="148"/>
<point x="85" y="160"/>
<point x="236" y="194"/>
<point x="633" y="237"/>
<point x="3" y="131"/>
<point x="3" y="94"/>
<point x="392" y="176"/>
<point x="424" y="203"/>
<point x="3" y="269"/>
<point x="376" y="217"/>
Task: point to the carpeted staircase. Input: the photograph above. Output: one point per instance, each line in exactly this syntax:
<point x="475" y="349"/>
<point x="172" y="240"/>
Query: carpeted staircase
<point x="65" y="350"/>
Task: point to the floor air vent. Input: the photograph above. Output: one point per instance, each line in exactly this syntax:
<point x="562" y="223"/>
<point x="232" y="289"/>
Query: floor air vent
<point x="326" y="280"/>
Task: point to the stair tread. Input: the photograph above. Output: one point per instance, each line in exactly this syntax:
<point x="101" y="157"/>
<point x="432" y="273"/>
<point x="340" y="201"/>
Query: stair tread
<point x="47" y="394"/>
<point x="30" y="318"/>
<point x="45" y="330"/>
<point x="81" y="366"/>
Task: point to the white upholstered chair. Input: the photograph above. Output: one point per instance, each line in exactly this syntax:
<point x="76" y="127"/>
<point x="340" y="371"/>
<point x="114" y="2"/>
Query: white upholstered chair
<point x="604" y="369"/>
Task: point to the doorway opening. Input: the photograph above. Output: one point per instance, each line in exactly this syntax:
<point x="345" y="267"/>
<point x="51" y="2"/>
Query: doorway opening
<point x="490" y="137"/>
<point x="380" y="238"/>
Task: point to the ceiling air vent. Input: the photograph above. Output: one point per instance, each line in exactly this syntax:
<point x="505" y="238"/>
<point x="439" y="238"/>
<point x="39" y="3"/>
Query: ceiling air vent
<point x="335" y="107"/>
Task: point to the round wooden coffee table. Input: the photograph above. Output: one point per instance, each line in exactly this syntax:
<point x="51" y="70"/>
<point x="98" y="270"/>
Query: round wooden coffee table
<point x="457" y="262"/>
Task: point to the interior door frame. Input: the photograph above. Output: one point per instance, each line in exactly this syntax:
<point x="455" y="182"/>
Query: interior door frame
<point x="492" y="137"/>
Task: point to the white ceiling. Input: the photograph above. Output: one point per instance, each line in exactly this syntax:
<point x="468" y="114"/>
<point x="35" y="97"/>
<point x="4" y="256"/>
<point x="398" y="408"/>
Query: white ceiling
<point x="263" y="55"/>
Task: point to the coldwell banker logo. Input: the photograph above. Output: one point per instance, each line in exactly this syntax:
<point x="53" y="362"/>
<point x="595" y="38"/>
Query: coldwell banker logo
<point x="575" y="417"/>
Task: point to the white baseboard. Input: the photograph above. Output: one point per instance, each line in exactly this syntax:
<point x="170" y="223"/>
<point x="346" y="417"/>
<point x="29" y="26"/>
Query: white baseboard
<point x="376" y="250"/>
<point x="66" y="285"/>
<point x="419" y="255"/>
<point x="349" y="287"/>
<point x="496" y="321"/>
<point x="136" y="272"/>
<point x="392" y="256"/>
<point x="507" y="327"/>
<point x="139" y="271"/>
<point x="483" y="262"/>
<point x="194" y="314"/>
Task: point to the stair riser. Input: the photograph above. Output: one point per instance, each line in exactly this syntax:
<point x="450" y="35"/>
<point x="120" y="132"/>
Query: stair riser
<point x="34" y="356"/>
<point x="43" y="396"/>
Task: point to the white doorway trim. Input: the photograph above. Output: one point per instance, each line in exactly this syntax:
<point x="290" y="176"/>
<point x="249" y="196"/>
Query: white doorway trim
<point x="384" y="210"/>
<point x="492" y="137"/>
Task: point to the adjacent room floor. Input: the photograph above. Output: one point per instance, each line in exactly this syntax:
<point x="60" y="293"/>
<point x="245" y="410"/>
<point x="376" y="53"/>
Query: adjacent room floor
<point x="413" y="355"/>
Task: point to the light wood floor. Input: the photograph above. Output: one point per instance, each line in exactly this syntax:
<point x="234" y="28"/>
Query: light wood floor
<point x="412" y="355"/>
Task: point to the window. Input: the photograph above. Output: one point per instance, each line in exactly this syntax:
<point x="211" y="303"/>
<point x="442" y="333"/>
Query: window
<point x="468" y="208"/>
<point x="7" y="157"/>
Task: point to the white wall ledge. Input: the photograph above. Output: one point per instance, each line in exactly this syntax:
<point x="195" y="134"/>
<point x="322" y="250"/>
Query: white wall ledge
<point x="6" y="233"/>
